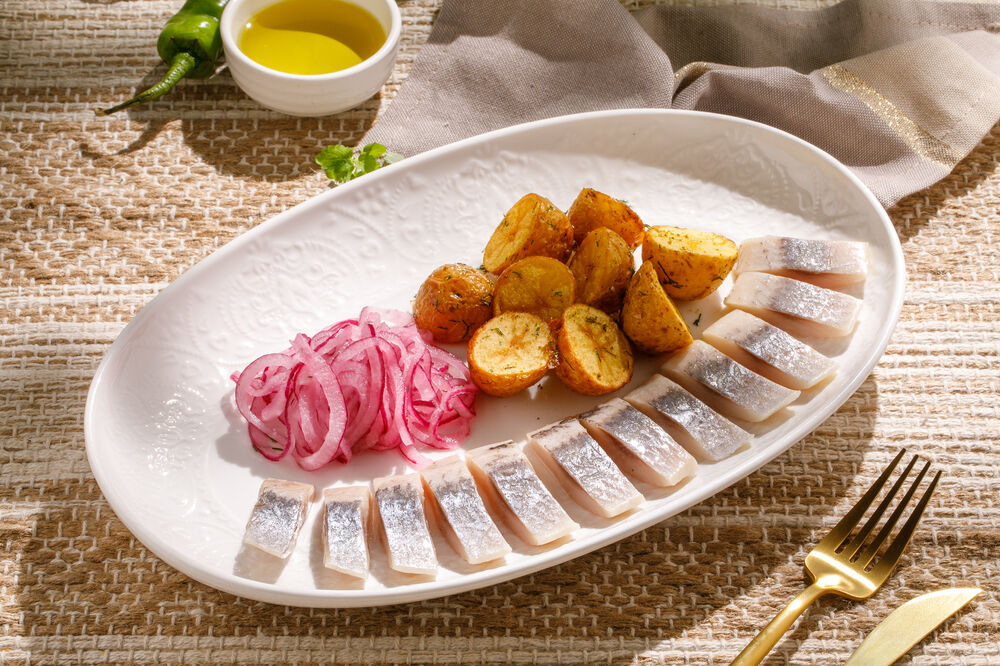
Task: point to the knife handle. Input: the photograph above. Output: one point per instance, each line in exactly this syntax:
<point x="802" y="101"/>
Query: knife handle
<point x="758" y="648"/>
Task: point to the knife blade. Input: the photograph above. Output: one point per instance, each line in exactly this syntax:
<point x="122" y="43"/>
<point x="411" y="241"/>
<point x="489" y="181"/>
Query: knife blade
<point x="907" y="625"/>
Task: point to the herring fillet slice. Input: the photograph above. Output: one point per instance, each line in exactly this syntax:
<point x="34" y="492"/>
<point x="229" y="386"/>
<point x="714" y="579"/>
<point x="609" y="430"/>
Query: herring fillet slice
<point x="515" y="491"/>
<point x="467" y="525"/>
<point x="826" y="263"/>
<point x="584" y="469"/>
<point x="725" y="385"/>
<point x="705" y="433"/>
<point x="768" y="350"/>
<point x="637" y="444"/>
<point x="277" y="516"/>
<point x="400" y="503"/>
<point x="798" y="307"/>
<point x="345" y="516"/>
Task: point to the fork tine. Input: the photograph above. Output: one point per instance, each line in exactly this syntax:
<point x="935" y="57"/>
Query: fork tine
<point x="859" y="540"/>
<point x="890" y="559"/>
<point x="868" y="553"/>
<point x="842" y="530"/>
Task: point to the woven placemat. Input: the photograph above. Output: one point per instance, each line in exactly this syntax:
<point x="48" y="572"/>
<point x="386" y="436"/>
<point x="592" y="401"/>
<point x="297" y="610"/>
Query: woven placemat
<point x="98" y="215"/>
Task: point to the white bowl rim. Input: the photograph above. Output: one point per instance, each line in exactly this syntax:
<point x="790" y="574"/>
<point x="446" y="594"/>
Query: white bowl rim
<point x="232" y="50"/>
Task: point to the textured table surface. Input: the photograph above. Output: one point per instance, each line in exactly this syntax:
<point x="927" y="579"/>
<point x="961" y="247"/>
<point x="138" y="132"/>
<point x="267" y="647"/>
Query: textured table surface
<point x="98" y="215"/>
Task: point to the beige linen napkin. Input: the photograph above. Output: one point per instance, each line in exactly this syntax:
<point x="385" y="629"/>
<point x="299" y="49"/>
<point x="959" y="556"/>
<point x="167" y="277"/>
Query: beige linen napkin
<point x="898" y="90"/>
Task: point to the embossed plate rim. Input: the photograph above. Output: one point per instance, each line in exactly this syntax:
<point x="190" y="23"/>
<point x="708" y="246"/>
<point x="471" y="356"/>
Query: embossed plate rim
<point x="159" y="545"/>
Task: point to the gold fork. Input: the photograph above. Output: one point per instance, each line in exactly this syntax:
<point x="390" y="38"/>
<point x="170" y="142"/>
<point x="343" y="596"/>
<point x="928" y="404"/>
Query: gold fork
<point x="844" y="565"/>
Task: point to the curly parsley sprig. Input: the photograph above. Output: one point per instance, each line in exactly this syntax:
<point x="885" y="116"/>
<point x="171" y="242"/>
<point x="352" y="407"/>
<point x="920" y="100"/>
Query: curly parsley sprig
<point x="341" y="163"/>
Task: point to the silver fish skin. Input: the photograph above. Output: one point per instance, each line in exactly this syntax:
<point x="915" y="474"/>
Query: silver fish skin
<point x="584" y="469"/>
<point x="637" y="444"/>
<point x="706" y="434"/>
<point x="768" y="350"/>
<point x="277" y="516"/>
<point x="800" y="308"/>
<point x="346" y="515"/>
<point x="510" y="482"/>
<point x="468" y="527"/>
<point x="400" y="502"/>
<point x="826" y="263"/>
<point x="725" y="385"/>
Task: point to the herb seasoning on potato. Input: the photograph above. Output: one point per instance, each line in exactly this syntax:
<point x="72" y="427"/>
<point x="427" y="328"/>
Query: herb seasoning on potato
<point x="691" y="264"/>
<point x="602" y="266"/>
<point x="593" y="209"/>
<point x="453" y="302"/>
<point x="542" y="286"/>
<point x="510" y="352"/>
<point x="594" y="356"/>
<point x="533" y="226"/>
<point x="649" y="317"/>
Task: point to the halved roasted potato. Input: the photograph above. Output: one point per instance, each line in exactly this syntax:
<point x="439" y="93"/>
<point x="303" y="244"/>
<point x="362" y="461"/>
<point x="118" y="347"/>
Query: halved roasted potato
<point x="593" y="209"/>
<point x="594" y="356"/>
<point x="453" y="302"/>
<point x="542" y="286"/>
<point x="510" y="352"/>
<point x="691" y="264"/>
<point x="649" y="317"/>
<point x="602" y="266"/>
<point x="533" y="226"/>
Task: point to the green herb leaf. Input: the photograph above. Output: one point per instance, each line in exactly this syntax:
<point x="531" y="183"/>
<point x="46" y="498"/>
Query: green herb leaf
<point x="341" y="163"/>
<point x="336" y="162"/>
<point x="373" y="150"/>
<point x="341" y="171"/>
<point x="332" y="154"/>
<point x="369" y="163"/>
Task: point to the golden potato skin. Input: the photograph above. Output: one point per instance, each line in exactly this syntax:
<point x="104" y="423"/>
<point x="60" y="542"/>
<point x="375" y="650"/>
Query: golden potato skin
<point x="593" y="209"/>
<point x="649" y="317"/>
<point x="542" y="286"/>
<point x="533" y="226"/>
<point x="690" y="264"/>
<point x="602" y="266"/>
<point x="594" y="356"/>
<point x="453" y="302"/>
<point x="510" y="352"/>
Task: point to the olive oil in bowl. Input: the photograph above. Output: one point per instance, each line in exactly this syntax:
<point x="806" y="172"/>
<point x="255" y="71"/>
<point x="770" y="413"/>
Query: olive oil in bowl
<point x="311" y="36"/>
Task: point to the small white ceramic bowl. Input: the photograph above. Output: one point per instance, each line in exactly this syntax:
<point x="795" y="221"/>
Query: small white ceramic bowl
<point x="314" y="94"/>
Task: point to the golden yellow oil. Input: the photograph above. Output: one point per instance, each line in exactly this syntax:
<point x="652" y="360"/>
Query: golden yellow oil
<point x="311" y="36"/>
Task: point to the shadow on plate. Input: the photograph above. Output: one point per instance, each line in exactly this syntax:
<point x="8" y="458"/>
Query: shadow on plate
<point x="254" y="564"/>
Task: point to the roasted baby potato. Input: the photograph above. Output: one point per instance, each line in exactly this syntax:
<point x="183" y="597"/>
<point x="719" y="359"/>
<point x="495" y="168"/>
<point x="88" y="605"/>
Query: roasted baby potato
<point x="542" y="286"/>
<point x="533" y="226"/>
<point x="453" y="302"/>
<point x="691" y="264"/>
<point x="593" y="209"/>
<point x="510" y="352"/>
<point x="594" y="356"/>
<point x="602" y="266"/>
<point x="649" y="317"/>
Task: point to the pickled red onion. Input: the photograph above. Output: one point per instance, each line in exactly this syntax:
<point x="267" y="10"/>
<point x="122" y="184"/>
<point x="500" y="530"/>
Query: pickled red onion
<point x="374" y="382"/>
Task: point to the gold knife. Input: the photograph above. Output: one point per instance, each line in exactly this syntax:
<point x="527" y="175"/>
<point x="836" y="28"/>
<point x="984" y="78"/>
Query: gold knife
<point x="907" y="625"/>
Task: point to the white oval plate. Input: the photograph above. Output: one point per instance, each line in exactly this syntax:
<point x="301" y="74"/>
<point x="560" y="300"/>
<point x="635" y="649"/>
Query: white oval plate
<point x="173" y="458"/>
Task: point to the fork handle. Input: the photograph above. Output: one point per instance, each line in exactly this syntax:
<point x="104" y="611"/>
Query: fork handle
<point x="762" y="643"/>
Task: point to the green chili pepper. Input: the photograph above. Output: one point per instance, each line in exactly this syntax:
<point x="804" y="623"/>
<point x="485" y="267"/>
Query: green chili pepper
<point x="190" y="44"/>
